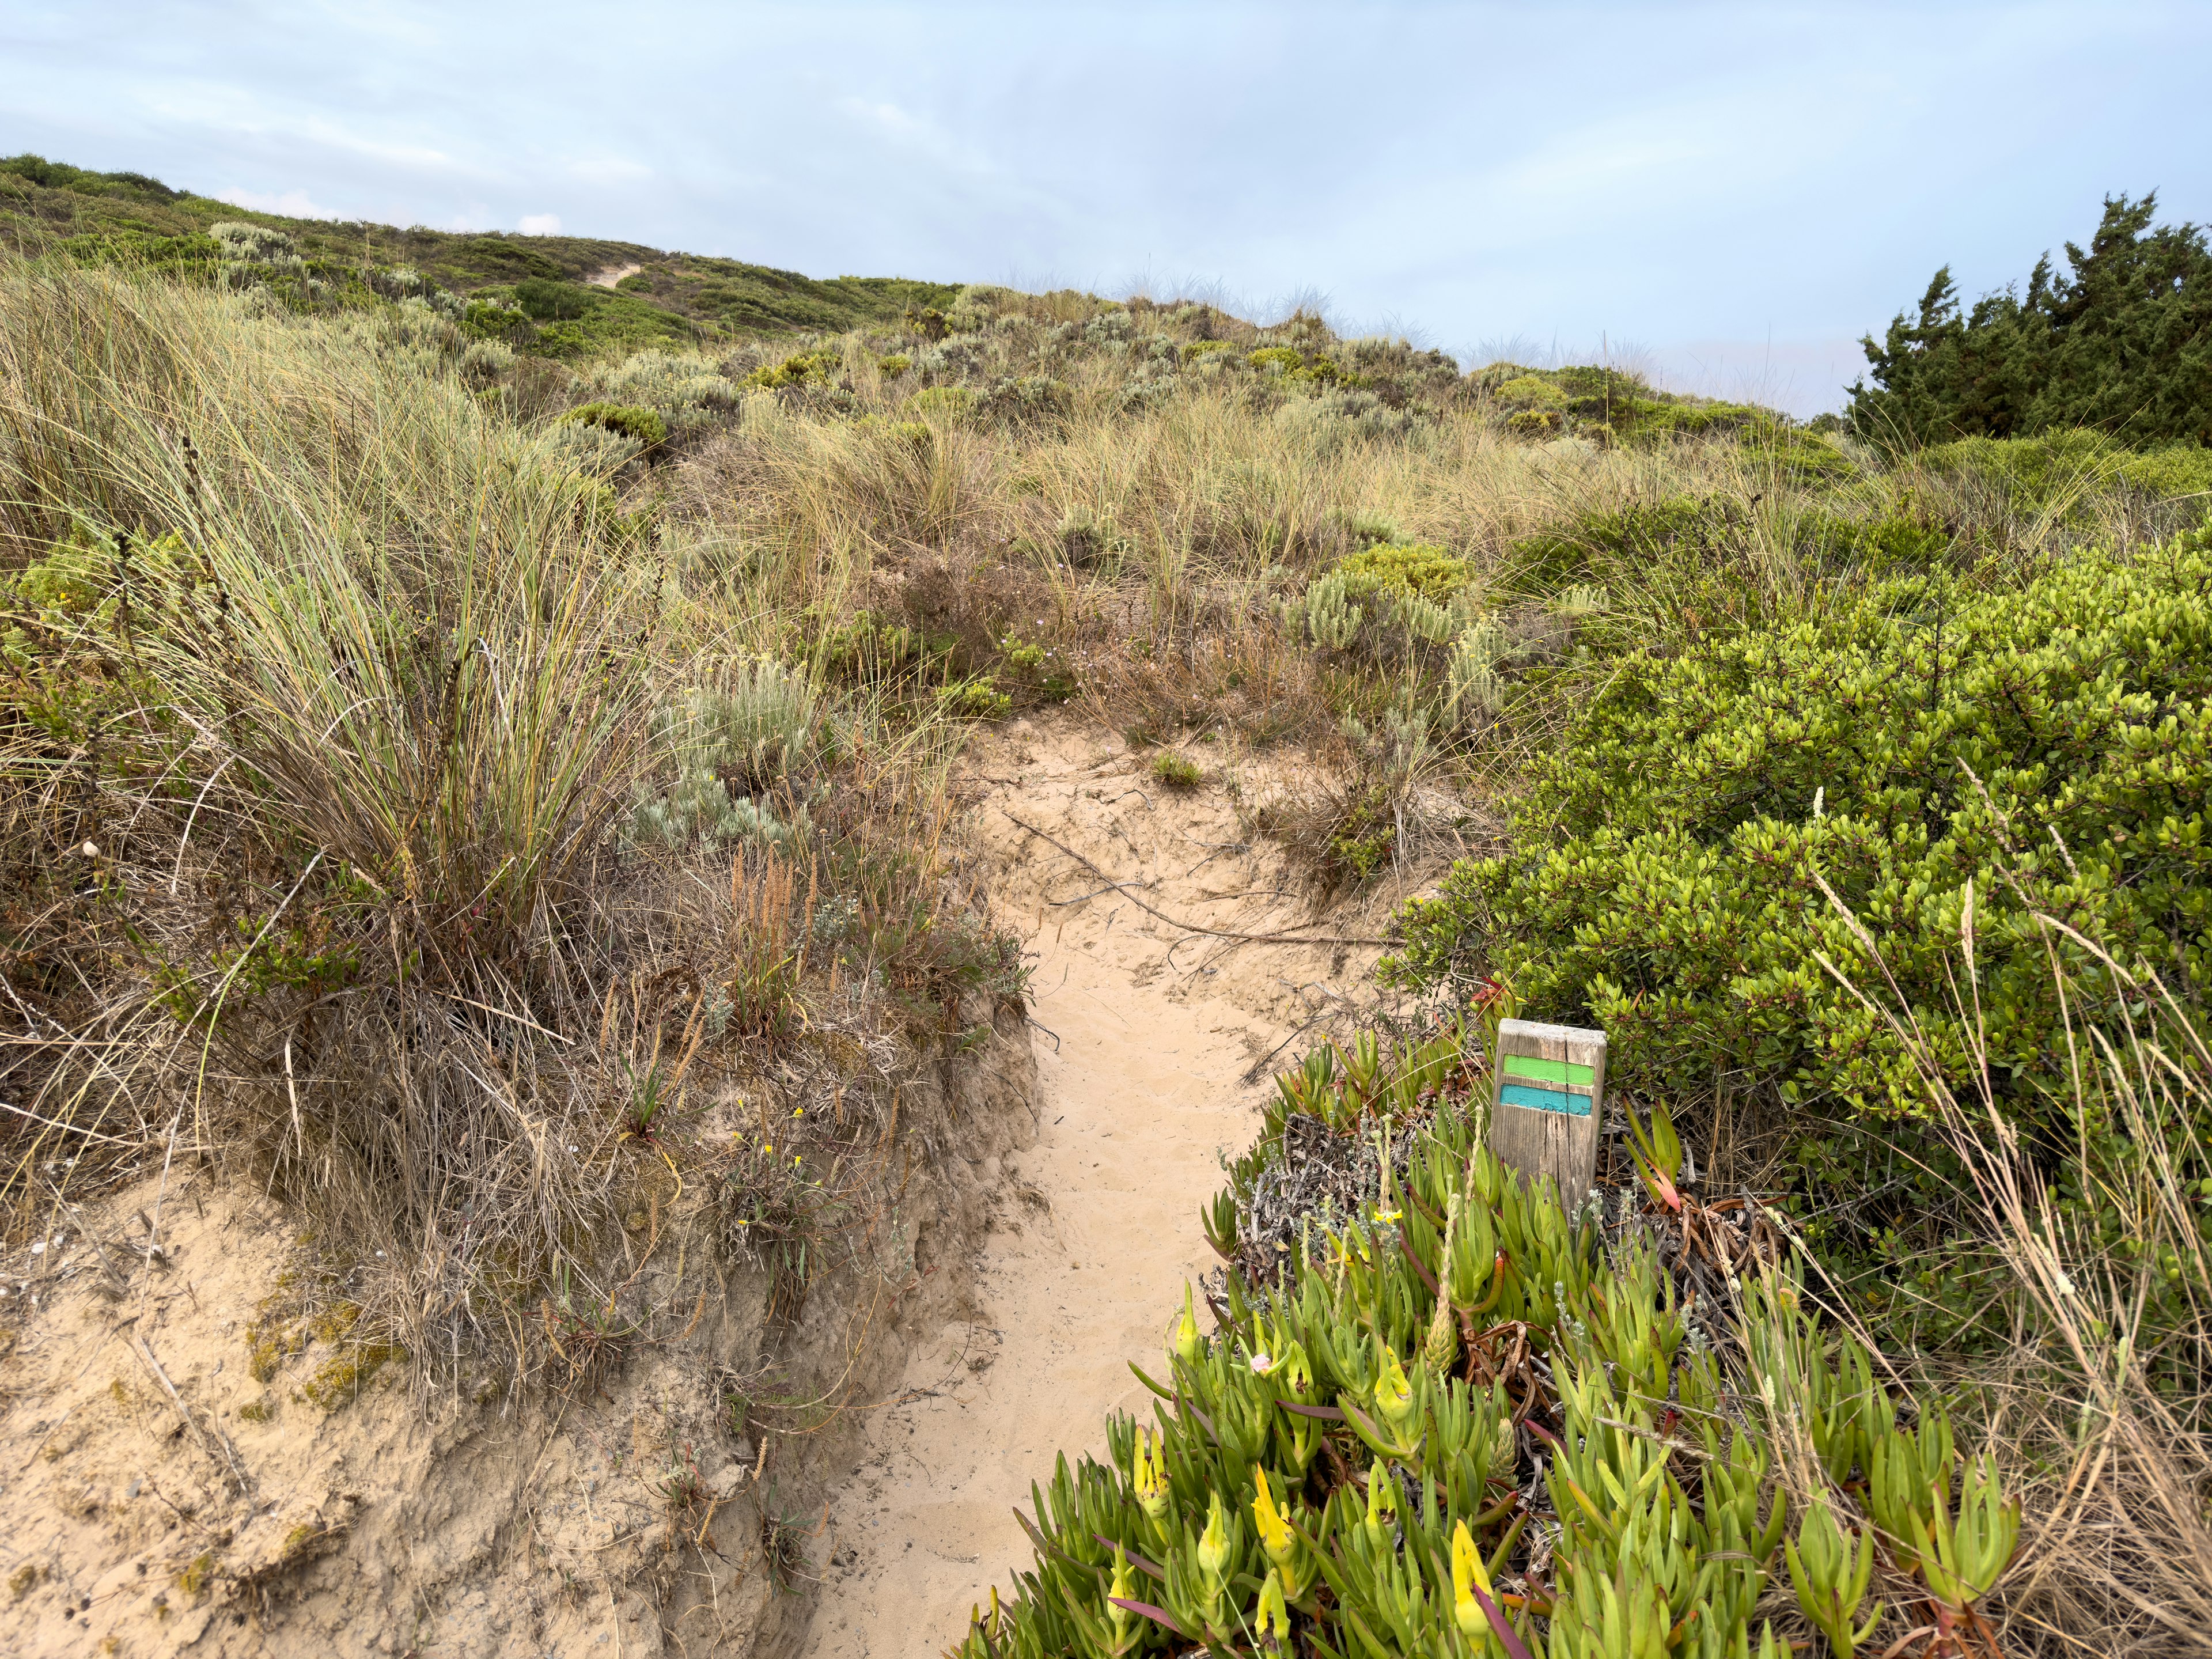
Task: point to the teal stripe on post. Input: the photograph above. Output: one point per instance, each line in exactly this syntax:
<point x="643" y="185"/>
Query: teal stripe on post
<point x="1545" y="1100"/>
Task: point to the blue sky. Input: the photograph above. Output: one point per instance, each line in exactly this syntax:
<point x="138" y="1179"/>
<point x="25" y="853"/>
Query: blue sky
<point x="1728" y="194"/>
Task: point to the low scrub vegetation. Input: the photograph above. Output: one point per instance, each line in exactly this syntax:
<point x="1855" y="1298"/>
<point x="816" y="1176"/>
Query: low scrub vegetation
<point x="457" y="718"/>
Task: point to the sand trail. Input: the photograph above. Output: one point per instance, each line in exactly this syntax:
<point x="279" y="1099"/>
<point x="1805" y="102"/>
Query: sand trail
<point x="1096" y="1227"/>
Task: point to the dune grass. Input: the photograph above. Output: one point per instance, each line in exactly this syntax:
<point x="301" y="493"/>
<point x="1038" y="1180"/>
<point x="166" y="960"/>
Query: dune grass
<point x="409" y="795"/>
<point x="333" y="694"/>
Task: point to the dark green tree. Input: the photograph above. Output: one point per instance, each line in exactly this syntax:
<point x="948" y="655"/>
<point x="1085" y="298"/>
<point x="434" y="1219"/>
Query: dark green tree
<point x="2121" y="341"/>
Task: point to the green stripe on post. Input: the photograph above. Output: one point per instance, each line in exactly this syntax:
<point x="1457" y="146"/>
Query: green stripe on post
<point x="1549" y="1071"/>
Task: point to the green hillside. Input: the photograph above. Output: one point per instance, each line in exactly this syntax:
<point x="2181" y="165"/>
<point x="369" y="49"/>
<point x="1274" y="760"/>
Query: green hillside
<point x="542" y="283"/>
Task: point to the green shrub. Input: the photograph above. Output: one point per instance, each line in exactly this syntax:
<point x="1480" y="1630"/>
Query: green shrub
<point x="1800" y="457"/>
<point x="546" y="300"/>
<point x="1681" y="418"/>
<point x="2049" y="747"/>
<point x="1040" y="671"/>
<point x="1364" y="837"/>
<point x="2055" y="466"/>
<point x="1176" y="771"/>
<point x="1321" y="371"/>
<point x="645" y="425"/>
<point x="870" y="649"/>
<point x="192" y="257"/>
<point x="60" y="175"/>
<point x="1282" y="359"/>
<point x="894" y="365"/>
<point x="78" y="592"/>
<point x="1531" y="392"/>
<point x="949" y="403"/>
<point x="1692" y="550"/>
<point x="976" y="699"/>
<point x="482" y="319"/>
<point x="1591" y="548"/>
<point x="1420" y="568"/>
<point x="817" y="367"/>
<point x="2177" y="470"/>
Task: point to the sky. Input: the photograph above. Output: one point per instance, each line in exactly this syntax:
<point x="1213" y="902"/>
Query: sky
<point x="1726" y="196"/>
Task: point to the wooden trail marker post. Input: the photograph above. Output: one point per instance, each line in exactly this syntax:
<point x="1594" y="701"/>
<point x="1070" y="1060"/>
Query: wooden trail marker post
<point x="1548" y="1103"/>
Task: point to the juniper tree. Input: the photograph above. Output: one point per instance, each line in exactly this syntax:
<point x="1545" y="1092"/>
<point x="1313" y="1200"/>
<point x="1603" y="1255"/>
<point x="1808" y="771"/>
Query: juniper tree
<point x="2120" y="341"/>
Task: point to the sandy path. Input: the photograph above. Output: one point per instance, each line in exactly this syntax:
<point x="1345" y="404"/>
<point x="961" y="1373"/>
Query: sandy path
<point x="1097" y="1224"/>
<point x="612" y="275"/>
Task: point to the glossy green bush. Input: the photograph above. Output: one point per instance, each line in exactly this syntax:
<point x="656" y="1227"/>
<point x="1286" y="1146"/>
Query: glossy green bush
<point x="1916" y="741"/>
<point x="817" y="368"/>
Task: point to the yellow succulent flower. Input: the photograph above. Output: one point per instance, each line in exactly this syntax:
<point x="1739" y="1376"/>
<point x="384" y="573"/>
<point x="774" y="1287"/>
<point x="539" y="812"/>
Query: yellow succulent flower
<point x="1275" y="1535"/>
<point x="1213" y="1543"/>
<point x="1124" y="1589"/>
<point x="1393" y="1395"/>
<point x="1150" y="1477"/>
<point x="1272" y="1623"/>
<point x="1468" y="1577"/>
<point x="1187" y="1340"/>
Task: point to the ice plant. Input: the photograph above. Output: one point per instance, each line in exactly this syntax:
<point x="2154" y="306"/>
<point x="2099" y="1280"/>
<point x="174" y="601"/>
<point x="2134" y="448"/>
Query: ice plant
<point x="1382" y="1504"/>
<point x="1831" y="1579"/>
<point x="1350" y="1484"/>
<point x="1188" y="1342"/>
<point x="1123" y="1588"/>
<point x="1272" y="1623"/>
<point x="1213" y="1544"/>
<point x="1274" y="1532"/>
<point x="1468" y="1577"/>
<point x="1393" y="1395"/>
<point x="1149" y="1478"/>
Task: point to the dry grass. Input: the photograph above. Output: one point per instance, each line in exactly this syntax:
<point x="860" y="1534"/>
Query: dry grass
<point x="2098" y="1409"/>
<point x="1155" y="542"/>
<point x="347" y="749"/>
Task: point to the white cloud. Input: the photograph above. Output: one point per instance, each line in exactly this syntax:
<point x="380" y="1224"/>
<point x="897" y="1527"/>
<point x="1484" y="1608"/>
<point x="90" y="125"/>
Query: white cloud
<point x="539" y="224"/>
<point x="214" y="107"/>
<point x="609" y="170"/>
<point x="918" y="133"/>
<point x="292" y="204"/>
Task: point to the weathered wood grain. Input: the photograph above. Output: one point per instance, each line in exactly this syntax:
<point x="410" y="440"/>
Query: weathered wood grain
<point x="1558" y="1145"/>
